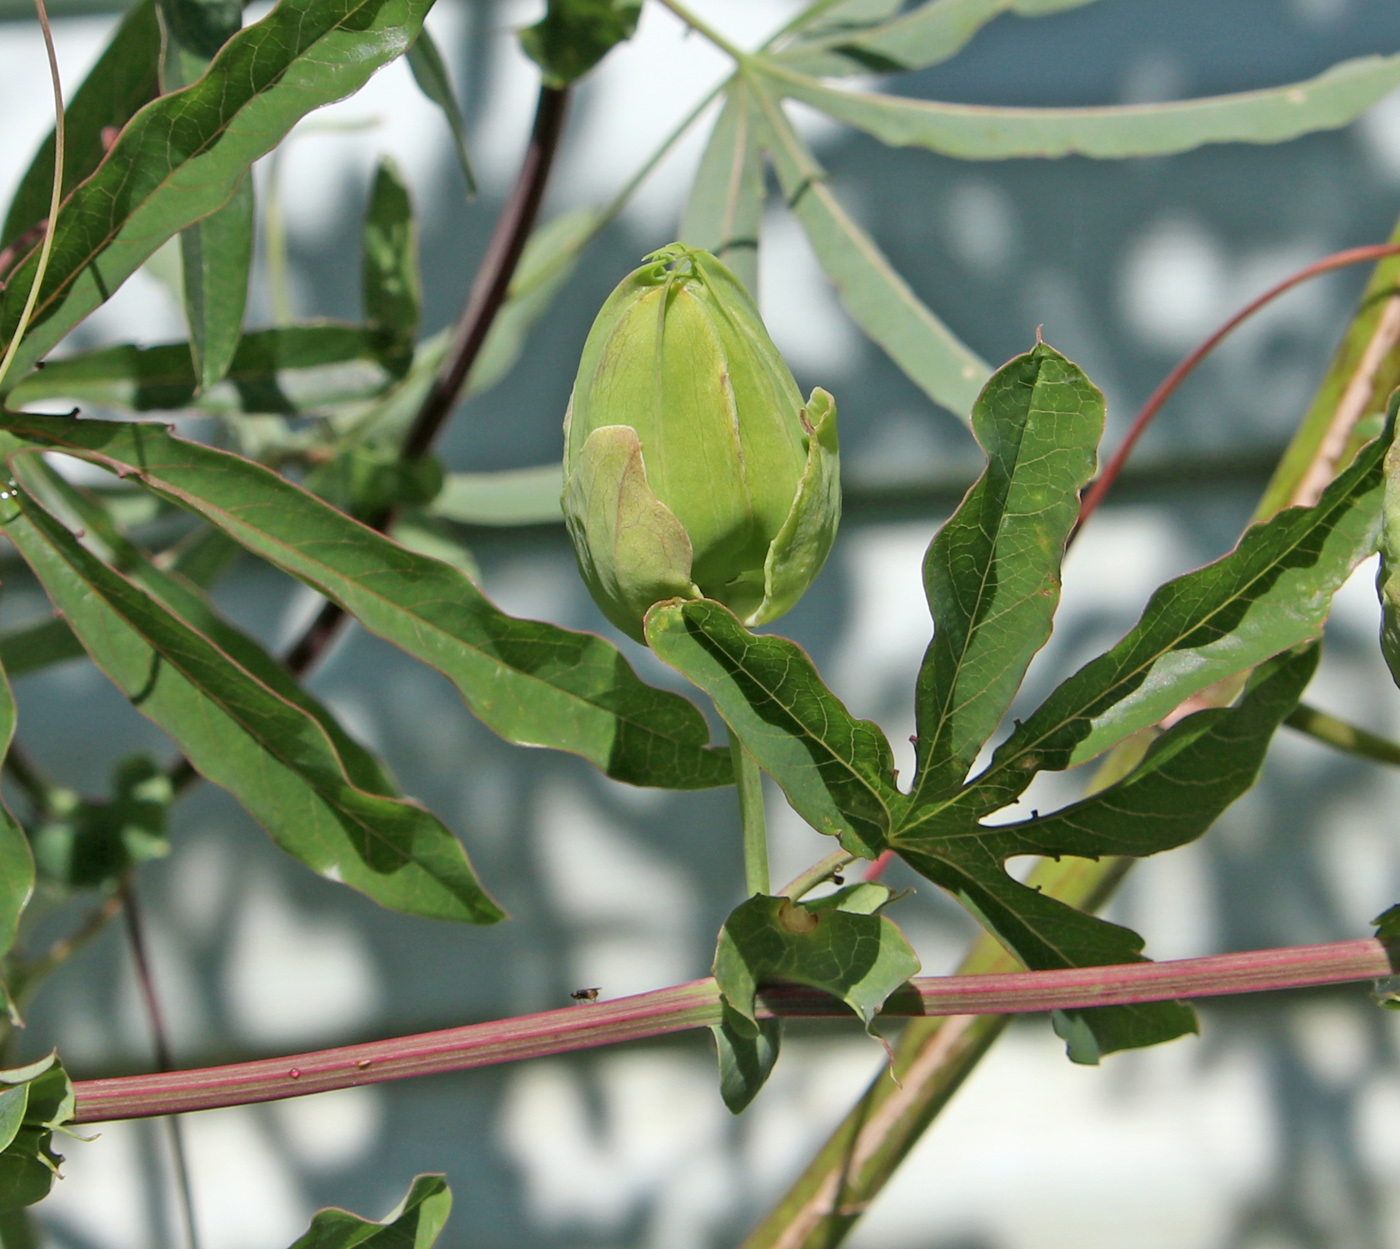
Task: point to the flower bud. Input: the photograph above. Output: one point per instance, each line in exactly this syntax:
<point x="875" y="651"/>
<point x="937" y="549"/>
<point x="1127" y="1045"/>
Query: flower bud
<point x="692" y="468"/>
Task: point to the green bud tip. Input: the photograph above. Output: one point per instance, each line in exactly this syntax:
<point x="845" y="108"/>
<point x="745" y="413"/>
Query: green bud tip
<point x="692" y="468"/>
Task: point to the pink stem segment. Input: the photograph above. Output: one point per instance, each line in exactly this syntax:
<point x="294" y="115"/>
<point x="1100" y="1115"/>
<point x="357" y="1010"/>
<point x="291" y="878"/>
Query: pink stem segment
<point x="1101" y="485"/>
<point x="697" y="1005"/>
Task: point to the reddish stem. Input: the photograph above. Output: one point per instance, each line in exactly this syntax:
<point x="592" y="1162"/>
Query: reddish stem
<point x="697" y="1005"/>
<point x="1104" y="482"/>
<point x="877" y="868"/>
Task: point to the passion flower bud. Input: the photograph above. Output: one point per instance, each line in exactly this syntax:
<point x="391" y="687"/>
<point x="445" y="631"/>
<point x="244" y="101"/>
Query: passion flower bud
<point x="692" y="468"/>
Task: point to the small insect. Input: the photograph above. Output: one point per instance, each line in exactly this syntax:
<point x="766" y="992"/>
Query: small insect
<point x="585" y="995"/>
<point x="837" y="878"/>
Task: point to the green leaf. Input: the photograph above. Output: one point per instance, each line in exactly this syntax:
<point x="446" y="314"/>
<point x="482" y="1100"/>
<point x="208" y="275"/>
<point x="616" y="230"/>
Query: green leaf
<point x="16" y="861"/>
<point x="393" y="290"/>
<point x="84" y="844"/>
<point x="880" y="301"/>
<point x="216" y="256"/>
<point x="745" y="1062"/>
<point x="931" y="33"/>
<point x="574" y="35"/>
<point x="183" y="156"/>
<point x="985" y="132"/>
<point x="37" y="646"/>
<point x="860" y="959"/>
<point x="836" y="771"/>
<point x="369" y="479"/>
<point x="724" y="213"/>
<point x="217" y="252"/>
<point x="414" y="1224"/>
<point x="125" y="77"/>
<point x="28" y="1164"/>
<point x="1388" y="576"/>
<point x="992" y="574"/>
<point x="330" y="808"/>
<point x="516" y="496"/>
<point x="294" y="371"/>
<point x="1272" y="592"/>
<point x="1188" y="777"/>
<point x="430" y="73"/>
<point x="533" y="683"/>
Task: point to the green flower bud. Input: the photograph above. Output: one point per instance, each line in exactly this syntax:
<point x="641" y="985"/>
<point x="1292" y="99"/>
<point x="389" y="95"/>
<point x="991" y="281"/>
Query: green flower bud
<point x="692" y="468"/>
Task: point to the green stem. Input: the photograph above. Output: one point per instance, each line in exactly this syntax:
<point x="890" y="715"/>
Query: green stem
<point x="805" y="882"/>
<point x="1342" y="736"/>
<point x="700" y="26"/>
<point x="17" y="1230"/>
<point x="748" y="780"/>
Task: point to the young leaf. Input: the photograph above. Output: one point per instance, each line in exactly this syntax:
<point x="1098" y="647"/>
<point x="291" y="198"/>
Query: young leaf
<point x="574" y="35"/>
<point x="297" y="370"/>
<point x="125" y="77"/>
<point x="533" y="683"/>
<point x="183" y="156"/>
<point x="1189" y="776"/>
<point x="928" y="34"/>
<point x="745" y="1061"/>
<point x="1272" y="592"/>
<point x="430" y="73"/>
<point x="992" y="574"/>
<point x="83" y="844"/>
<point x="860" y="959"/>
<point x="414" y="1224"/>
<point x="725" y="210"/>
<point x="393" y="290"/>
<point x="879" y="300"/>
<point x="982" y="132"/>
<point x="1388" y="576"/>
<point x="274" y="756"/>
<point x="16" y="861"/>
<point x="40" y="1097"/>
<point x="217" y="252"/>
<point x="836" y="771"/>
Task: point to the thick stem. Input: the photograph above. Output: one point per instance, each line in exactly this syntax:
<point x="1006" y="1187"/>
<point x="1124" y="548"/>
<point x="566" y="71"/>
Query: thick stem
<point x="748" y="780"/>
<point x="697" y="1005"/>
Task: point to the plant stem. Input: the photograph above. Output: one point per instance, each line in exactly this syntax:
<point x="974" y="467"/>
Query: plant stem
<point x="697" y="1005"/>
<point x="1341" y="735"/>
<point x="1104" y="482"/>
<point x="748" y="780"/>
<point x="164" y="1060"/>
<point x="701" y="27"/>
<point x="805" y="882"/>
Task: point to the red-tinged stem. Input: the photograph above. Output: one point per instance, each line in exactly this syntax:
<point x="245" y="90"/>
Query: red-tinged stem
<point x="1104" y="482"/>
<point x="877" y="868"/>
<point x="697" y="1005"/>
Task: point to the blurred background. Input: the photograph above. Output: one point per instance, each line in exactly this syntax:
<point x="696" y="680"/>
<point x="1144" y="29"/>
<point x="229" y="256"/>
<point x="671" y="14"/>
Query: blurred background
<point x="1278" y="1127"/>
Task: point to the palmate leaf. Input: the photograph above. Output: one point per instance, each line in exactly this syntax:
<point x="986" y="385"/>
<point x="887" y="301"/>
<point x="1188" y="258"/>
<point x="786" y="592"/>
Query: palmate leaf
<point x="880" y="301"/>
<point x="725" y="210"/>
<point x="531" y="682"/>
<point x="983" y="132"/>
<point x="333" y="809"/>
<point x="836" y="771"/>
<point x="1188" y="778"/>
<point x="415" y="1223"/>
<point x="182" y="156"/>
<point x="125" y="77"/>
<point x="930" y="33"/>
<point x="992" y="574"/>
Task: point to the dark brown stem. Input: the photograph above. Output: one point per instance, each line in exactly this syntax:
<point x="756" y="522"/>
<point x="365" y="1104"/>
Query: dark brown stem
<point x="485" y="301"/>
<point x="136" y="937"/>
<point x="1104" y="482"/>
